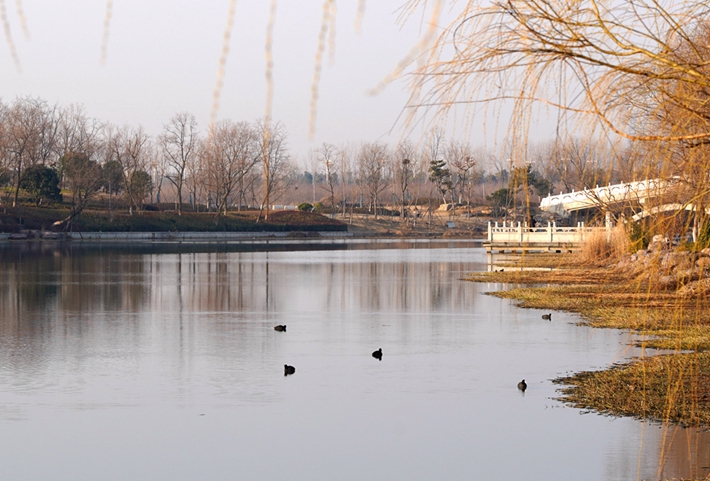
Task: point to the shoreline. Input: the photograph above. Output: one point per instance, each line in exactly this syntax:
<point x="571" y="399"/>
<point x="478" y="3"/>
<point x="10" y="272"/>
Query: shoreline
<point x="294" y="236"/>
<point x="670" y="384"/>
<point x="31" y="223"/>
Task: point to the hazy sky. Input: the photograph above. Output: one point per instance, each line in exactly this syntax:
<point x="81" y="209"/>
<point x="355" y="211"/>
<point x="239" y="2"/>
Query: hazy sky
<point x="163" y="57"/>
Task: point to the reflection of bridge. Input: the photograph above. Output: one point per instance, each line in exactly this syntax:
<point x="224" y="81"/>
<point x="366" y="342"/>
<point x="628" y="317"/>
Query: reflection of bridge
<point x="624" y="193"/>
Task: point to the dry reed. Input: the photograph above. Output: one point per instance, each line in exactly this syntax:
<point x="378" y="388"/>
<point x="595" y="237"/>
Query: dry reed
<point x="605" y="246"/>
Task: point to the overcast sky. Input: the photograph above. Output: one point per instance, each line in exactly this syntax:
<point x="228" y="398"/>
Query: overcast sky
<point x="162" y="58"/>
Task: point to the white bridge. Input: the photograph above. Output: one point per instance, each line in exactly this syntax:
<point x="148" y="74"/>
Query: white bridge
<point x="631" y="192"/>
<point x="520" y="237"/>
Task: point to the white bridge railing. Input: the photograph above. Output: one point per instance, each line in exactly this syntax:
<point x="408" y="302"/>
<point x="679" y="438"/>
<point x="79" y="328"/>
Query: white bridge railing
<point x="552" y="234"/>
<point x="638" y="191"/>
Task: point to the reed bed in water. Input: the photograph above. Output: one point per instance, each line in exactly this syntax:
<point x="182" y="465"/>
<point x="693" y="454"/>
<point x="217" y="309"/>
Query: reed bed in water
<point x="522" y="275"/>
<point x="671" y="387"/>
<point x="663" y="320"/>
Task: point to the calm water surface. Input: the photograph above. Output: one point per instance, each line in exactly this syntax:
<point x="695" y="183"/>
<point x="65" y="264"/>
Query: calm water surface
<point x="151" y="363"/>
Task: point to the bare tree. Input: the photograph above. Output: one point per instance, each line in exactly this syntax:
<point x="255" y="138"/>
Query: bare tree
<point x="404" y="163"/>
<point x="372" y="161"/>
<point x="327" y="155"/>
<point x="196" y="176"/>
<point x="178" y="145"/>
<point x="131" y="148"/>
<point x="462" y="165"/>
<point x="542" y="154"/>
<point x="438" y="172"/>
<point x="231" y="151"/>
<point x="80" y="148"/>
<point x="275" y="161"/>
<point x="310" y="163"/>
<point x="631" y="162"/>
<point x="82" y="176"/>
<point x="345" y="169"/>
<point x="581" y="163"/>
<point x="29" y="136"/>
<point x="78" y="133"/>
<point x="433" y="148"/>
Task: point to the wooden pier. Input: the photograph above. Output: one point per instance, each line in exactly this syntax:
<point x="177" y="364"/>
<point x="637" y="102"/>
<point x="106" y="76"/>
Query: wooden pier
<point x="522" y="238"/>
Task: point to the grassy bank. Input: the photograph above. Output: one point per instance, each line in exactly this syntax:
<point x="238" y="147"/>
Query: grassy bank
<point x="666" y="387"/>
<point x="37" y="218"/>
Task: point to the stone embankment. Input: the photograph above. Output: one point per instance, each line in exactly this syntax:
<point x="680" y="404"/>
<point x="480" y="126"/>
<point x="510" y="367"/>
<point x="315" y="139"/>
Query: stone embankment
<point x="687" y="272"/>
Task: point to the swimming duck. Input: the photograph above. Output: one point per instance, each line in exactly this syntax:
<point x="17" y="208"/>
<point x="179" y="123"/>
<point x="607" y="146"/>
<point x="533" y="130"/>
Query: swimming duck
<point x="280" y="328"/>
<point x="377" y="354"/>
<point x="288" y="369"/>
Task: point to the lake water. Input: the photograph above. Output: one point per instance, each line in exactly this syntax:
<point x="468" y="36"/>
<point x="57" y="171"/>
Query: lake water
<point x="161" y="362"/>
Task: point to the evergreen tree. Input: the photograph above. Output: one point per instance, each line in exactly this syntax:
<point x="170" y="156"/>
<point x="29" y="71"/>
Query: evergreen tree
<point x="41" y="182"/>
<point x="439" y="174"/>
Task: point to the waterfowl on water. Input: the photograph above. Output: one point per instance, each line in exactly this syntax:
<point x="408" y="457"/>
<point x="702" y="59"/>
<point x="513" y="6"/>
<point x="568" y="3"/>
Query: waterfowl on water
<point x="288" y="369"/>
<point x="522" y="385"/>
<point x="280" y="328"/>
<point x="377" y="354"/>
<point x="547" y="316"/>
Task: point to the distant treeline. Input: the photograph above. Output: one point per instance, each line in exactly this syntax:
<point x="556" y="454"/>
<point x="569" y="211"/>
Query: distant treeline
<point x="46" y="150"/>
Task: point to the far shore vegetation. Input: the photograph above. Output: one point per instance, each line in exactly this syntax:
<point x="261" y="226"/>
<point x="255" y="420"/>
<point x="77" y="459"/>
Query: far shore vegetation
<point x="56" y="157"/>
<point x="28" y="218"/>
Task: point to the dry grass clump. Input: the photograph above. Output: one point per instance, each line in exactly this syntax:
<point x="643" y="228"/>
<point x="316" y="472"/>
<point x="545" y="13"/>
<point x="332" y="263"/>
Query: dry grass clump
<point x="674" y="388"/>
<point x="605" y="246"/>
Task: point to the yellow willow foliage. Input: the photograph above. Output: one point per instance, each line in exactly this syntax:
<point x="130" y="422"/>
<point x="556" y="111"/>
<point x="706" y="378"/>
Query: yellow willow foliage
<point x="415" y="53"/>
<point x="637" y="70"/>
<point x="23" y="19"/>
<point x="361" y="5"/>
<point x="320" y="50"/>
<point x="332" y="31"/>
<point x="107" y="26"/>
<point x="601" y="59"/>
<point x="223" y="61"/>
<point x="8" y="36"/>
<point x="270" y="62"/>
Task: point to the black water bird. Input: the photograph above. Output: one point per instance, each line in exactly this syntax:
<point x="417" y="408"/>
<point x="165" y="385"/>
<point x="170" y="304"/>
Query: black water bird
<point x="280" y="328"/>
<point x="289" y="369"/>
<point x="547" y="316"/>
<point x="522" y="385"/>
<point x="377" y="354"/>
